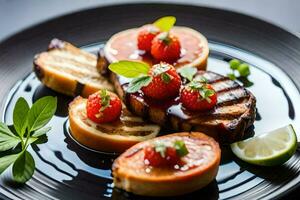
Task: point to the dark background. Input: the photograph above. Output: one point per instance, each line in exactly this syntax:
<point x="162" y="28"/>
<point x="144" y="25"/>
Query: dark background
<point x="16" y="15"/>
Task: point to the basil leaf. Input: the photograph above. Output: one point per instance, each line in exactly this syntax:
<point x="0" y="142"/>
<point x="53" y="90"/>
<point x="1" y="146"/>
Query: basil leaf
<point x="20" y="116"/>
<point x="23" y="167"/>
<point x="180" y="147"/>
<point x="6" y="161"/>
<point x="41" y="112"/>
<point x="188" y="72"/>
<point x="137" y="83"/>
<point x="129" y="69"/>
<point x="41" y="132"/>
<point x="9" y="143"/>
<point x="7" y="139"/>
<point x="165" y="23"/>
<point x="4" y="130"/>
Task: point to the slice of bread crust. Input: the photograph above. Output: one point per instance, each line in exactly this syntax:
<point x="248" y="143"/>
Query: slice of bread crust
<point x="110" y="137"/>
<point x="69" y="70"/>
<point x="132" y="174"/>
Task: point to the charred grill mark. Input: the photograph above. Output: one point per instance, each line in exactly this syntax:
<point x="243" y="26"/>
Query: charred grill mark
<point x="38" y="70"/>
<point x="231" y="95"/>
<point x="79" y="88"/>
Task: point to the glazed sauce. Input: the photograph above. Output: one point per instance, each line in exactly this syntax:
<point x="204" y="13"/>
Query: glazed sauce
<point x="201" y="153"/>
<point x="124" y="47"/>
<point x="229" y="94"/>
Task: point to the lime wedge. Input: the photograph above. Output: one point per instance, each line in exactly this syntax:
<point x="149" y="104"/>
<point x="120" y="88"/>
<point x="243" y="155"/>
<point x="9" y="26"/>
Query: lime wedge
<point x="269" y="149"/>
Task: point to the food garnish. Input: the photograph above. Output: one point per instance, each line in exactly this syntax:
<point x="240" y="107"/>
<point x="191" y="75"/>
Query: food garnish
<point x="149" y="31"/>
<point x="161" y="154"/>
<point x="115" y="136"/>
<point x="198" y="95"/>
<point x="157" y="39"/>
<point x="169" y="165"/>
<point x="187" y="72"/>
<point x="103" y="107"/>
<point x="269" y="149"/>
<point x="28" y="128"/>
<point x="159" y="82"/>
<point x="145" y="37"/>
<point x="166" y="47"/>
<point x="241" y="68"/>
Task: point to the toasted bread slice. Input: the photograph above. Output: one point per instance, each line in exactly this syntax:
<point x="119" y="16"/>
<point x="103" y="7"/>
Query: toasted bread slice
<point x="201" y="166"/>
<point x="123" y="46"/>
<point x="69" y="70"/>
<point x="110" y="137"/>
<point x="227" y="122"/>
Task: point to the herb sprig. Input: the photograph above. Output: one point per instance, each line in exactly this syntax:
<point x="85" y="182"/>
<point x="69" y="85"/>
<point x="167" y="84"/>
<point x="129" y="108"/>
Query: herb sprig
<point x="243" y="71"/>
<point x="28" y="127"/>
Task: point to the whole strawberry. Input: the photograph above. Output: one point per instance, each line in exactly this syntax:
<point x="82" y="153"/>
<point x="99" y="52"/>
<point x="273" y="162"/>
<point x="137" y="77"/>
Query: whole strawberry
<point x="197" y="96"/>
<point x="166" y="47"/>
<point x="165" y="82"/>
<point x="145" y="37"/>
<point x="103" y="107"/>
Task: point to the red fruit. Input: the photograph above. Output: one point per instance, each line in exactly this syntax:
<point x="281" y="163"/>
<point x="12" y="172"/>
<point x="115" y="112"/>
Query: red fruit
<point x="155" y="159"/>
<point x="146" y="36"/>
<point x="191" y="98"/>
<point x="165" y="82"/>
<point x="166" y="47"/>
<point x="103" y="107"/>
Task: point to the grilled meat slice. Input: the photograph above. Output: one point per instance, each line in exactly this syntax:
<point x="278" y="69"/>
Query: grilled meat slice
<point x="227" y="122"/>
<point x="69" y="70"/>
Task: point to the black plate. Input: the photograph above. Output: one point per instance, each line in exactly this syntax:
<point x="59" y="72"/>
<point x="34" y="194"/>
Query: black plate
<point x="66" y="170"/>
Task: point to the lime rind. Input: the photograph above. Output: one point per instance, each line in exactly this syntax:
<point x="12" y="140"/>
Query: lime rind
<point x="270" y="149"/>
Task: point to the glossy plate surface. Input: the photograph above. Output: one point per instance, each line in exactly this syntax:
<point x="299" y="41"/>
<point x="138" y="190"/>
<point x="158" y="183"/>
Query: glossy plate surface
<point x="66" y="170"/>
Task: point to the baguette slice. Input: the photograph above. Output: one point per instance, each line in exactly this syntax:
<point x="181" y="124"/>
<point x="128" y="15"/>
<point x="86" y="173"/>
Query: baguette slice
<point x="201" y="166"/>
<point x="69" y="70"/>
<point x="111" y="137"/>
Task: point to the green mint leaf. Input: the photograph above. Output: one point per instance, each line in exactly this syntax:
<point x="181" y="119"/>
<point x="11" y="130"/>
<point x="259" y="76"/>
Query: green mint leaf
<point x="23" y="167"/>
<point x="129" y="69"/>
<point x="6" y="161"/>
<point x="206" y="93"/>
<point x="160" y="68"/>
<point x="7" y="139"/>
<point x="195" y="85"/>
<point x="165" y="38"/>
<point x="41" y="112"/>
<point x="8" y="143"/>
<point x="160" y="148"/>
<point x="20" y="116"/>
<point x="165" y="23"/>
<point x="234" y="63"/>
<point x="105" y="99"/>
<point x="231" y="76"/>
<point x="166" y="78"/>
<point x="188" y="72"/>
<point x="180" y="147"/>
<point x="4" y="130"/>
<point x="41" y="132"/>
<point x="137" y="83"/>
